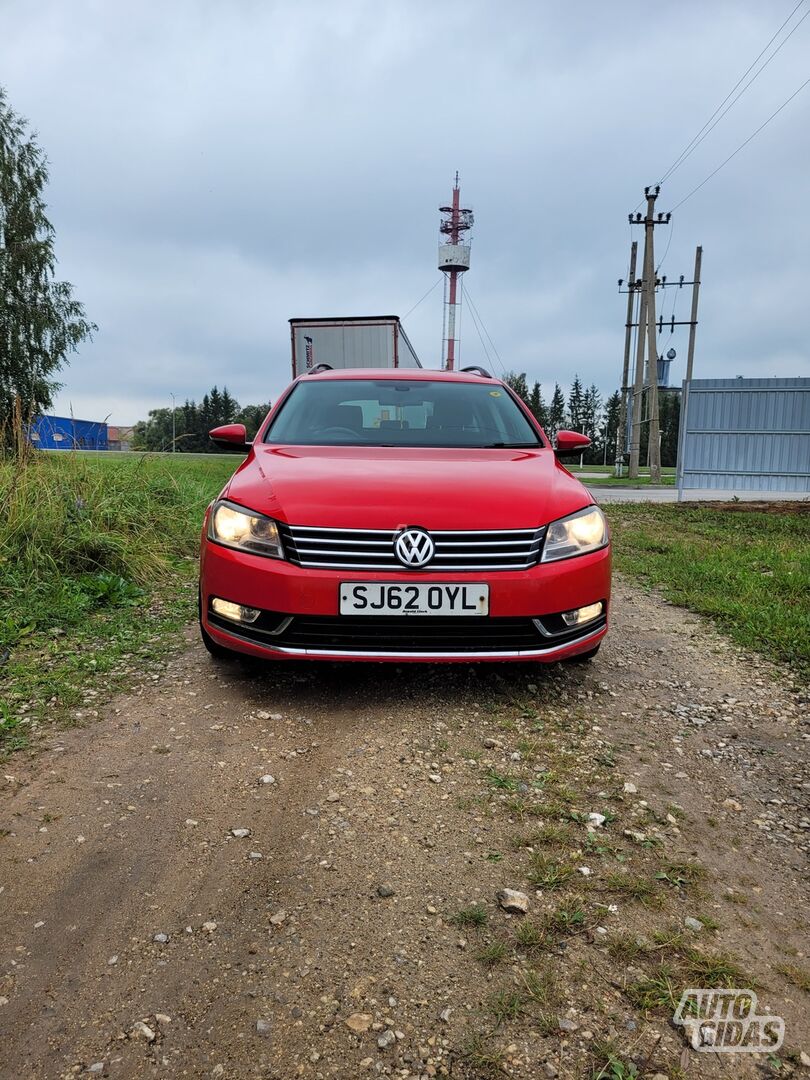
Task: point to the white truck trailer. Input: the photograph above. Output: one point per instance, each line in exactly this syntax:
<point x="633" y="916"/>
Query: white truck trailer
<point x="356" y="342"/>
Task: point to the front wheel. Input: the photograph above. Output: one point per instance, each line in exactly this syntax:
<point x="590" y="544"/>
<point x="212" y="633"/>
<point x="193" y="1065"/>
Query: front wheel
<point x="583" y="658"/>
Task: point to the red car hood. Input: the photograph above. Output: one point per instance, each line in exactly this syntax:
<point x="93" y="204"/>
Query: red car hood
<point x="388" y="487"/>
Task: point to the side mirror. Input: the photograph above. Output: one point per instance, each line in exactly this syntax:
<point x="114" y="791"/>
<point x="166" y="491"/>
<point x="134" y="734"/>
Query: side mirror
<point x="570" y="442"/>
<point x="230" y="437"/>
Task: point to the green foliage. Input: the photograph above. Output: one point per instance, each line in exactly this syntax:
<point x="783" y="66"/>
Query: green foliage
<point x="41" y="322"/>
<point x="475" y="915"/>
<point x="586" y="412"/>
<point x="193" y="421"/>
<point x="747" y="570"/>
<point x="556" y="412"/>
<point x="537" y="406"/>
<point x="576" y="406"/>
<point x="84" y="540"/>
<point x="518" y="383"/>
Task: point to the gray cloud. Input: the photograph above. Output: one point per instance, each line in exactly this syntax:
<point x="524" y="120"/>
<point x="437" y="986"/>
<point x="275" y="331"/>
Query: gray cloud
<point x="218" y="168"/>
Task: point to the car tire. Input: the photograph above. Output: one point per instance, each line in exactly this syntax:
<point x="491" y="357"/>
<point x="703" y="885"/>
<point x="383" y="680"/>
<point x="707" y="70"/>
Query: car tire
<point x="584" y="657"/>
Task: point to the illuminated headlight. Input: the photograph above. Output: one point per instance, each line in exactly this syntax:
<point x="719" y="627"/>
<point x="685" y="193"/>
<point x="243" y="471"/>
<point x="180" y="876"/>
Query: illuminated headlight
<point x="575" y="535"/>
<point x="582" y="615"/>
<point x="237" y="527"/>
<point x="234" y="612"/>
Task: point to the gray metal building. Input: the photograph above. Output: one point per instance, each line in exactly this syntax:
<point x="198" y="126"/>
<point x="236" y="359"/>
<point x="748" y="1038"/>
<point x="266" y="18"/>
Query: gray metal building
<point x="356" y="341"/>
<point x="748" y="438"/>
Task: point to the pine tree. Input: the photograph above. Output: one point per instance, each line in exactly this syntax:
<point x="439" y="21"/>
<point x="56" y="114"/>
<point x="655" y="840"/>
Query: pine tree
<point x="215" y="406"/>
<point x="576" y="405"/>
<point x="40" y="321"/>
<point x="556" y="412"/>
<point x="230" y="406"/>
<point x="591" y="417"/>
<point x="670" y="411"/>
<point x="611" y="424"/>
<point x="518" y="383"/>
<point x="537" y="405"/>
<point x="189" y="439"/>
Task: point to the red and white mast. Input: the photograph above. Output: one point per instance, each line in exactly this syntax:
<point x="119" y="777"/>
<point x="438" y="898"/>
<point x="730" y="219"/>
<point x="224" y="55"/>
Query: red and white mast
<point x="454" y="259"/>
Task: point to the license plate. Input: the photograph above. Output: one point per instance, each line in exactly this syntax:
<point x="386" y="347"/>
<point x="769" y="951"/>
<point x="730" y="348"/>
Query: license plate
<point x="378" y="598"/>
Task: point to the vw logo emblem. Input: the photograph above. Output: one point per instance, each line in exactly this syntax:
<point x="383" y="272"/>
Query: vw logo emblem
<point x="414" y="547"/>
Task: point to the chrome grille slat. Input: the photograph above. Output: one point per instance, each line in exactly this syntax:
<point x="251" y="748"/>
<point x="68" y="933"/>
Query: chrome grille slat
<point x="456" y="551"/>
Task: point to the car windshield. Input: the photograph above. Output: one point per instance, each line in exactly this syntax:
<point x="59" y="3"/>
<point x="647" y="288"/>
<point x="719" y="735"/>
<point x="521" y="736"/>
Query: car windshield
<point x="387" y="412"/>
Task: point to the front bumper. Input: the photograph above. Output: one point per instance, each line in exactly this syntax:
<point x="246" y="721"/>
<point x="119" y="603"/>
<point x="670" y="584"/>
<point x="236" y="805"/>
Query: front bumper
<point x="304" y="603"/>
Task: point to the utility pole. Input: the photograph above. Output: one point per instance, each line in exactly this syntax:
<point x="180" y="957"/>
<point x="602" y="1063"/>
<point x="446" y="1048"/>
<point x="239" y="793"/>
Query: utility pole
<point x="638" y="386"/>
<point x="646" y="327"/>
<point x="693" y="317"/>
<point x="174" y="436"/>
<point x="621" y="439"/>
<point x="645" y="322"/>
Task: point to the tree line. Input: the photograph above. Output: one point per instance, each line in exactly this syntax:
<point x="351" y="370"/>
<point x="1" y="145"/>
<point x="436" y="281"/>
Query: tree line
<point x="582" y="409"/>
<point x="585" y="410"/>
<point x="192" y="421"/>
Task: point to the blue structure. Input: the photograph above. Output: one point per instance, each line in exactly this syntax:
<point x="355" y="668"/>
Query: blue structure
<point x="67" y="433"/>
<point x="748" y="438"/>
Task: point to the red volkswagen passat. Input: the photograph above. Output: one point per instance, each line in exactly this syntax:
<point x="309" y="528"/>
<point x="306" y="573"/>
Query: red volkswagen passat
<point x="403" y="515"/>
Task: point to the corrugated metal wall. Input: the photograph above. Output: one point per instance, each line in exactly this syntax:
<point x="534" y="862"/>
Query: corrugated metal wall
<point x="67" y="433"/>
<point x="745" y="435"/>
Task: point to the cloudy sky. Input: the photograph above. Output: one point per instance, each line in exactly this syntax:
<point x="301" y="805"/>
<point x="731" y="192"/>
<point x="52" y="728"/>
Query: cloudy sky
<point x="219" y="167"/>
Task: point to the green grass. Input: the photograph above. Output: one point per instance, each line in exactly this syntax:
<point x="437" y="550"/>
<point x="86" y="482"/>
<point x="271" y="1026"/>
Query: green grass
<point x="607" y="470"/>
<point x="493" y="953"/>
<point x="626" y="482"/>
<point x="746" y="569"/>
<point x="97" y="571"/>
<point x="476" y="915"/>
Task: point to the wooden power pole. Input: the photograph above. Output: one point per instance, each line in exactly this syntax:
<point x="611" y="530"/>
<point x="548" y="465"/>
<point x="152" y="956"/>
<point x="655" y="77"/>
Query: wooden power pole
<point x="690" y="359"/>
<point x="621" y="436"/>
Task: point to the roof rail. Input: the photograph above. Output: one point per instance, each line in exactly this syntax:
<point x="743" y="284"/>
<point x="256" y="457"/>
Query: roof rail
<point x="319" y="368"/>
<point x="478" y="371"/>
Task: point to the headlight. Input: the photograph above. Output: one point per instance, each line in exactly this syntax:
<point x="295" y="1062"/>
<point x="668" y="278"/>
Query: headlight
<point x="575" y="535"/>
<point x="237" y="527"/>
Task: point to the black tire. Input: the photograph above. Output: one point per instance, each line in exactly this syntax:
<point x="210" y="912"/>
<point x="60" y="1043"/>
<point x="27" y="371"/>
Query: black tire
<point x="583" y="658"/>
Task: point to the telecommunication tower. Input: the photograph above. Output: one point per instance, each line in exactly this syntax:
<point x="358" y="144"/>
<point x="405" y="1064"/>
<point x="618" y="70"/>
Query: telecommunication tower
<point x="454" y="259"/>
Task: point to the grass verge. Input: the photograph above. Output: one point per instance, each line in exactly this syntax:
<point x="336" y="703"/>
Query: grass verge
<point x="746" y="569"/>
<point x="97" y="571"/>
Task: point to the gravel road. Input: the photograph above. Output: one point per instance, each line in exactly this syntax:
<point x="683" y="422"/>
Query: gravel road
<point x="294" y="872"/>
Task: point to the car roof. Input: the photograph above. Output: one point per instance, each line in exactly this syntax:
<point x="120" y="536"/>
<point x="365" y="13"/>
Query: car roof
<point x="400" y="375"/>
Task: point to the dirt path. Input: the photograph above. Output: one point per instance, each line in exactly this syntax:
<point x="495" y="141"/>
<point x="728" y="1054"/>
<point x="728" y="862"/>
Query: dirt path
<point x="402" y="800"/>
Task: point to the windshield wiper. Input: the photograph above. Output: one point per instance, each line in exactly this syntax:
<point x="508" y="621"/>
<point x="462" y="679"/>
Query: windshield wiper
<point x="510" y="446"/>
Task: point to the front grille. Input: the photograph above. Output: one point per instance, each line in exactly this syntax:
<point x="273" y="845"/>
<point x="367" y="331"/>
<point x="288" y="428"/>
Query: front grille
<point x="426" y="634"/>
<point x="373" y="549"/>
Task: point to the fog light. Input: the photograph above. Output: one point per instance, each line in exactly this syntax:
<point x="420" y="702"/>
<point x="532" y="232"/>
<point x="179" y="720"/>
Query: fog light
<point x="235" y="612"/>
<point x="583" y="614"/>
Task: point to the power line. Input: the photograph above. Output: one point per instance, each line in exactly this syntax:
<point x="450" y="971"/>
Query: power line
<point x="475" y="324"/>
<point x="708" y="127"/>
<point x="483" y="325"/>
<point x="418" y="302"/>
<point x="690" y="145"/>
<point x="741" y="146"/>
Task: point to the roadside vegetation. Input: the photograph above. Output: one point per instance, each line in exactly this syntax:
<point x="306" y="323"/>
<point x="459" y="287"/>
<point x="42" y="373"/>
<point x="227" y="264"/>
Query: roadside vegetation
<point x="746" y="568"/>
<point x="97" y="572"/>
